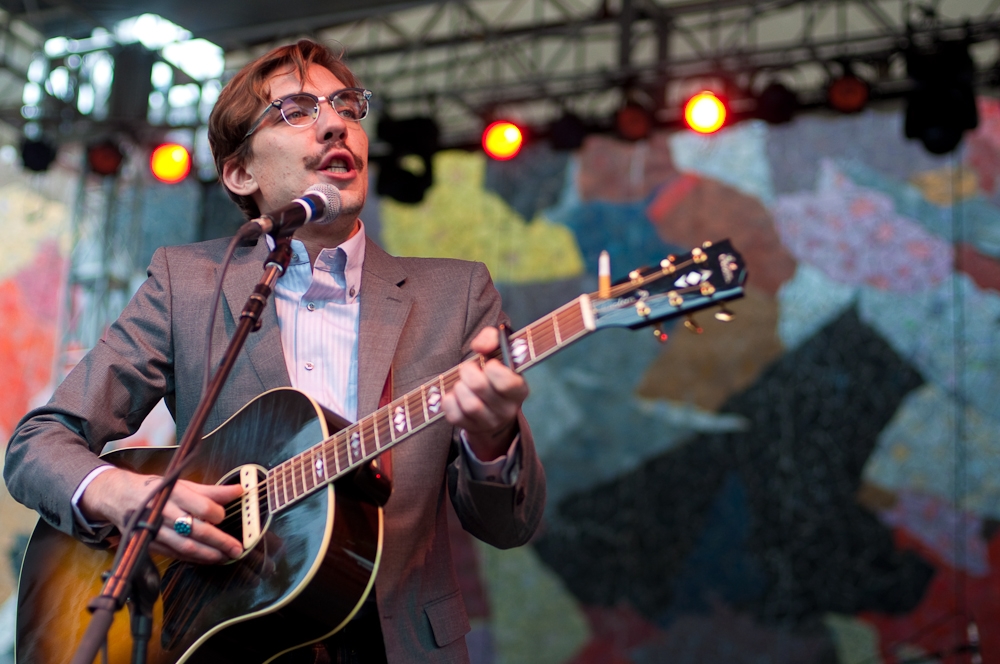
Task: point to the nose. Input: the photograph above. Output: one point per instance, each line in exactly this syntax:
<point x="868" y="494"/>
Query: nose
<point x="329" y="125"/>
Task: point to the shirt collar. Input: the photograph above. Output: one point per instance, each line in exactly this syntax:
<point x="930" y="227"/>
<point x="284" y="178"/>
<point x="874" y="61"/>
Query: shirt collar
<point x="354" y="248"/>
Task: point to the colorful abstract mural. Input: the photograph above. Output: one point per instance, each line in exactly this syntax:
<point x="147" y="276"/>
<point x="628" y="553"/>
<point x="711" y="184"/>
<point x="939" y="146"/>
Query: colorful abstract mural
<point x="809" y="483"/>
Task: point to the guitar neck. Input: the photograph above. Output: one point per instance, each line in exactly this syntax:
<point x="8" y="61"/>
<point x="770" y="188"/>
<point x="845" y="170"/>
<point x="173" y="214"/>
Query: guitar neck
<point x="355" y="445"/>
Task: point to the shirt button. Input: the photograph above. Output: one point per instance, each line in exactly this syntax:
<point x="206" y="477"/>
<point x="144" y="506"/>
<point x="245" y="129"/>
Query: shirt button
<point x="309" y="366"/>
<point x="353" y="291"/>
<point x="311" y="306"/>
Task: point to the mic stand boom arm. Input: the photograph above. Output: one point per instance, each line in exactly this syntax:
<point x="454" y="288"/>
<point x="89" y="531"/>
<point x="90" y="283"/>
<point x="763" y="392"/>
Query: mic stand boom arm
<point x="134" y="556"/>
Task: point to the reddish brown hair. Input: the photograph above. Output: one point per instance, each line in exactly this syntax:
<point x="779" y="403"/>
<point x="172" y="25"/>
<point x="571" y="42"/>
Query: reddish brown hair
<point x="244" y="98"/>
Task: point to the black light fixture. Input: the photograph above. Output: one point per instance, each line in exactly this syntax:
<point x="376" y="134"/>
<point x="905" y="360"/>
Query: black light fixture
<point x="777" y="104"/>
<point x="942" y="104"/>
<point x="567" y="132"/>
<point x="407" y="171"/>
<point x="37" y="154"/>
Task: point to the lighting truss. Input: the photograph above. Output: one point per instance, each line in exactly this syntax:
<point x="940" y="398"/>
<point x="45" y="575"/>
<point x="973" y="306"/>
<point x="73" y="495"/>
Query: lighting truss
<point x="464" y="62"/>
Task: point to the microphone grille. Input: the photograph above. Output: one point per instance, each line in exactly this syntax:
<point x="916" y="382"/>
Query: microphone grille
<point x="332" y="196"/>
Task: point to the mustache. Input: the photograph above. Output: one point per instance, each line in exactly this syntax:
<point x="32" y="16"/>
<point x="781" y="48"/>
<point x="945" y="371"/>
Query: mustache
<point x="312" y="163"/>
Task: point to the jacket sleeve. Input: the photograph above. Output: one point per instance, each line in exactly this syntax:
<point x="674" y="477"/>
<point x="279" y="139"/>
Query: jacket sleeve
<point x="104" y="398"/>
<point x="499" y="514"/>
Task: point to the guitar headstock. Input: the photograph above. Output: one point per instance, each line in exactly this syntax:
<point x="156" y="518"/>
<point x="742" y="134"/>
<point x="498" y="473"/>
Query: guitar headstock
<point x="708" y="275"/>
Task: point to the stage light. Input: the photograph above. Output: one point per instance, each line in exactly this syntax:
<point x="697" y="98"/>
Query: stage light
<point x="502" y="140"/>
<point x="942" y="104"/>
<point x="170" y="163"/>
<point x="37" y="154"/>
<point x="633" y="122"/>
<point x="567" y="133"/>
<point x="777" y="104"/>
<point x="407" y="171"/>
<point x="705" y="113"/>
<point x="847" y="94"/>
<point x="104" y="158"/>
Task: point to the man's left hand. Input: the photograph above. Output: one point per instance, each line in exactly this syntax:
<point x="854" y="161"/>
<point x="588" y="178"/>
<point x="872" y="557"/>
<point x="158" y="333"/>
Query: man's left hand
<point x="486" y="400"/>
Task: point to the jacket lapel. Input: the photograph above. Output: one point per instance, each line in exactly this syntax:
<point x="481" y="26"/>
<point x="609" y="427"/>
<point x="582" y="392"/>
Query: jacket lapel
<point x="263" y="347"/>
<point x="384" y="309"/>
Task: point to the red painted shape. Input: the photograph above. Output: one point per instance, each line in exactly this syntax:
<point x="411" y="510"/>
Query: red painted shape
<point x="27" y="353"/>
<point x="984" y="270"/>
<point x="29" y="308"/>
<point x="939" y="623"/>
<point x="672" y="194"/>
<point x="614" y="632"/>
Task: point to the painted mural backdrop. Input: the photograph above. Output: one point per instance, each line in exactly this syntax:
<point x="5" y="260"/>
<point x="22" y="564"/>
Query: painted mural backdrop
<point x="816" y="481"/>
<point x="808" y="483"/>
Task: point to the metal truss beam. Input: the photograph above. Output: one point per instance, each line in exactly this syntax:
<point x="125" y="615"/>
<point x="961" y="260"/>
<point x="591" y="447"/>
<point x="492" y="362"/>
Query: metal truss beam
<point x="18" y="44"/>
<point x="465" y="60"/>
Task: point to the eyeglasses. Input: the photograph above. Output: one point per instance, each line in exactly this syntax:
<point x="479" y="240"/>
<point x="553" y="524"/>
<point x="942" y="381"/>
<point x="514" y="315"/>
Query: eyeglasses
<point x="302" y="109"/>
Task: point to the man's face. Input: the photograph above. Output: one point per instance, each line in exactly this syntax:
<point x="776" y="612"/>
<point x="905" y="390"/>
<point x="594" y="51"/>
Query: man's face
<point x="333" y="150"/>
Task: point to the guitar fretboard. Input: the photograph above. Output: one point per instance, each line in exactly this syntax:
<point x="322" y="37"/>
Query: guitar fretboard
<point x="362" y="441"/>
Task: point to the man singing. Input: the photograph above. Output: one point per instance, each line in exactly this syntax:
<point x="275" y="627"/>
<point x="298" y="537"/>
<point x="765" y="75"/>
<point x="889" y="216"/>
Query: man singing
<point x="344" y="318"/>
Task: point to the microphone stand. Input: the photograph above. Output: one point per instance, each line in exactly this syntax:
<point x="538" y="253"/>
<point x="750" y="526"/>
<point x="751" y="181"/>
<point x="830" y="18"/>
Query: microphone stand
<point x="122" y="584"/>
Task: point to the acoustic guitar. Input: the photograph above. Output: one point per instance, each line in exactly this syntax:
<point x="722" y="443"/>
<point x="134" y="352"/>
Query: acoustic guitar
<point x="312" y="534"/>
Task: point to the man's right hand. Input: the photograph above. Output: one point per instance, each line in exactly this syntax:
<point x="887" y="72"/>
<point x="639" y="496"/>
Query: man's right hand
<point x="114" y="493"/>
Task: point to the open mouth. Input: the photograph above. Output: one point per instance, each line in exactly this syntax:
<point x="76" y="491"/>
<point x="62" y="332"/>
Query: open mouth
<point x="337" y="166"/>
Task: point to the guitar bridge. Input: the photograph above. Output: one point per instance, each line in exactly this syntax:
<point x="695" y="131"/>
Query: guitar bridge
<point x="251" y="522"/>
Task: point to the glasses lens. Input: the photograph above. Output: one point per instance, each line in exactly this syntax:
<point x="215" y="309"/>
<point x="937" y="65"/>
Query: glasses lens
<point x="299" y="110"/>
<point x="351" y="104"/>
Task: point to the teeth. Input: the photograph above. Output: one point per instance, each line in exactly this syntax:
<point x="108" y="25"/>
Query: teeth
<point x="337" y="166"/>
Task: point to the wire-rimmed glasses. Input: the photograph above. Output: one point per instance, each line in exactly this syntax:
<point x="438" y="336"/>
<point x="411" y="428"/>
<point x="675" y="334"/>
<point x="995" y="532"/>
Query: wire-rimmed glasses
<point x="301" y="109"/>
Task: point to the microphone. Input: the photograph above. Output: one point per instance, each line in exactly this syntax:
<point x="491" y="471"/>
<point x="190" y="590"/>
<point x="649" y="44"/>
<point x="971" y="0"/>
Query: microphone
<point x="320" y="204"/>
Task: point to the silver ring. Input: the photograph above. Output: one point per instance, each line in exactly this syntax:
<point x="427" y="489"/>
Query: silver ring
<point x="183" y="525"/>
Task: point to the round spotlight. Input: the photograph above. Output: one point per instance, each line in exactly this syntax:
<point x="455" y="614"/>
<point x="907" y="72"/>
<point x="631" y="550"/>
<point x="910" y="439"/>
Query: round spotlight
<point x="170" y="163"/>
<point x="705" y="113"/>
<point x="37" y="154"/>
<point x="847" y="94"/>
<point x="502" y="140"/>
<point x="633" y="122"/>
<point x="104" y="158"/>
<point x="777" y="104"/>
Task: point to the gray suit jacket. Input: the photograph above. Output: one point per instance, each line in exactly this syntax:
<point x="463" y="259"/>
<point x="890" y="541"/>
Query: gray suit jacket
<point x="417" y="316"/>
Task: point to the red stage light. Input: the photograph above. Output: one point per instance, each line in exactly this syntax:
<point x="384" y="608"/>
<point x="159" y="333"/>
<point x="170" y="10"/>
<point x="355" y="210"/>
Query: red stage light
<point x="848" y="94"/>
<point x="104" y="158"/>
<point x="502" y="140"/>
<point x="705" y="113"/>
<point x="170" y="163"/>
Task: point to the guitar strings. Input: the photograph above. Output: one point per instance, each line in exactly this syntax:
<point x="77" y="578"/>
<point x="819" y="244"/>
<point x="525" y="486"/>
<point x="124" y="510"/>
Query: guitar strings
<point x="541" y="334"/>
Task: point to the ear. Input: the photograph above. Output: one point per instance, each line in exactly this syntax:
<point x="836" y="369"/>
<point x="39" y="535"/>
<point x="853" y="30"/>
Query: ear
<point x="238" y="179"/>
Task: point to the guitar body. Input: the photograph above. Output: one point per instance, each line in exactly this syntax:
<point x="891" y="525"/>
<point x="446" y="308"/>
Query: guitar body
<point x="302" y="581"/>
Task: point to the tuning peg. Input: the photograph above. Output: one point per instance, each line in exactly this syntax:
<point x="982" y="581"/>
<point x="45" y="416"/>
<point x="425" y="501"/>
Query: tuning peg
<point x="660" y="335"/>
<point x="691" y="324"/>
<point x="724" y="314"/>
